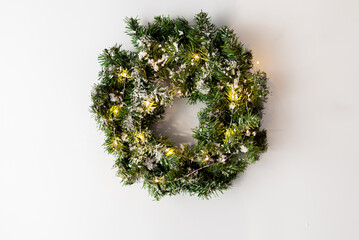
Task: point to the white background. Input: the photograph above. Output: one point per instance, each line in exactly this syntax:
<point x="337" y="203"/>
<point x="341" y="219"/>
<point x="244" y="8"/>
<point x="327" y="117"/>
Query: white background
<point x="56" y="181"/>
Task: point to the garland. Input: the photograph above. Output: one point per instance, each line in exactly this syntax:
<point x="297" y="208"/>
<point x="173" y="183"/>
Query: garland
<point x="200" y="62"/>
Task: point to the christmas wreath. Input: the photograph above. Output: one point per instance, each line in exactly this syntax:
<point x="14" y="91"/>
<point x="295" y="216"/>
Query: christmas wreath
<point x="175" y="59"/>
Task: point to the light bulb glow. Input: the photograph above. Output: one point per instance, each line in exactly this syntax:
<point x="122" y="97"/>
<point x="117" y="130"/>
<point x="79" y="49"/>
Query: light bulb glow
<point x="169" y="152"/>
<point x="115" y="110"/>
<point x="123" y="74"/>
<point x="140" y="137"/>
<point x="149" y="105"/>
<point x="232" y="95"/>
<point x="196" y="56"/>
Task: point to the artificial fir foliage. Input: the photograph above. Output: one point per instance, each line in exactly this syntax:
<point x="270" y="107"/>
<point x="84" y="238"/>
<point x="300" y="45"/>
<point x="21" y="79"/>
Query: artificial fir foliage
<point x="200" y="62"/>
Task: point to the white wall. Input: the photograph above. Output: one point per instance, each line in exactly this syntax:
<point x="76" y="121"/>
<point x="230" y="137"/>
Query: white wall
<point x="56" y="181"/>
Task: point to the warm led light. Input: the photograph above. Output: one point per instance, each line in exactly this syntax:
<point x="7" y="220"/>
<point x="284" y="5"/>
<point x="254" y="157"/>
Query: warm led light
<point x="229" y="132"/>
<point x="140" y="137"/>
<point x="149" y="105"/>
<point x="115" y="110"/>
<point x="123" y="74"/>
<point x="196" y="56"/>
<point x="169" y="152"/>
<point x="257" y="62"/>
<point x="232" y="95"/>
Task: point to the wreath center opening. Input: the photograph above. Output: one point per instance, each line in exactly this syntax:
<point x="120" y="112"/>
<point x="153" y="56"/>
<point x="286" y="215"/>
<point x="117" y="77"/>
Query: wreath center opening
<point x="178" y="122"/>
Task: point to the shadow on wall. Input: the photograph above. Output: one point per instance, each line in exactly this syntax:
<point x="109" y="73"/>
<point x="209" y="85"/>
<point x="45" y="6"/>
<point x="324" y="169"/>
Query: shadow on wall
<point x="265" y="42"/>
<point x="179" y="121"/>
